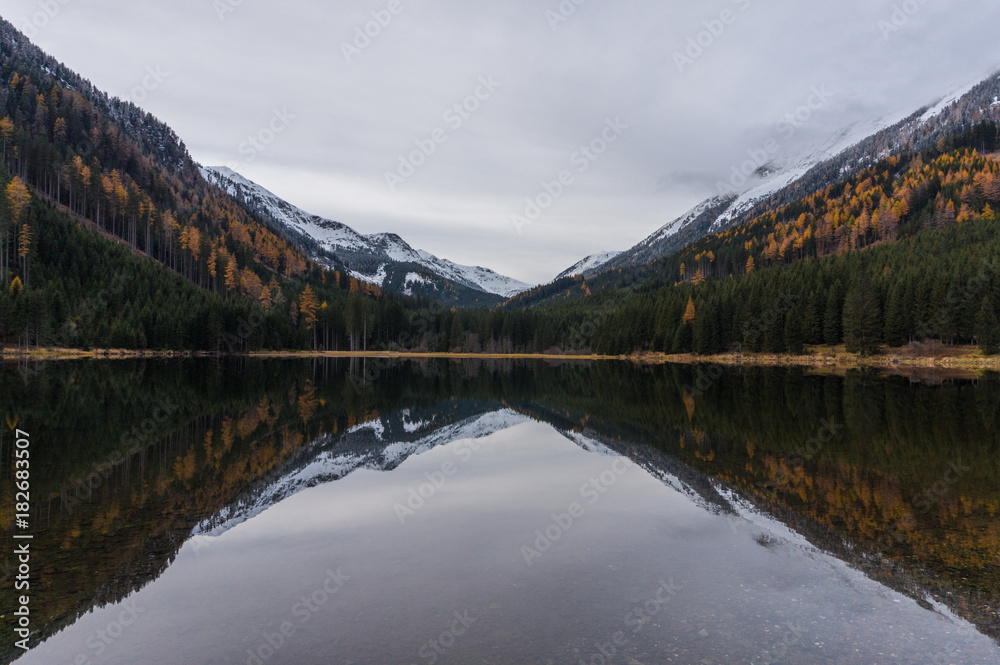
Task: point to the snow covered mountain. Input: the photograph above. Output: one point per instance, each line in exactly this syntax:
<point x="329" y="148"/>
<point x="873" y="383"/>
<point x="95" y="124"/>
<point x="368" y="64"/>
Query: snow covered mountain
<point x="383" y="259"/>
<point x="850" y="150"/>
<point x="589" y="264"/>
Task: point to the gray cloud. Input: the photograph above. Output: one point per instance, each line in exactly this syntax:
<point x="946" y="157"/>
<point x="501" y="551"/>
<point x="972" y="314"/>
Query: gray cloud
<point x="687" y="126"/>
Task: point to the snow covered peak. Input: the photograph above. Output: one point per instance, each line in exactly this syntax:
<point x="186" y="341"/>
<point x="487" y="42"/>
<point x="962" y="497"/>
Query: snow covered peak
<point x="586" y="265"/>
<point x="370" y="258"/>
<point x="846" y="152"/>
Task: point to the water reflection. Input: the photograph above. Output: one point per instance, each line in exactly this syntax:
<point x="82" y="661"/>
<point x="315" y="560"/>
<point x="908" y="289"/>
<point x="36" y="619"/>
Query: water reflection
<point x="526" y="513"/>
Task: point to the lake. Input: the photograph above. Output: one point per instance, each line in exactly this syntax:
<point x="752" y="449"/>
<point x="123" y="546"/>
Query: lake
<point x="237" y="511"/>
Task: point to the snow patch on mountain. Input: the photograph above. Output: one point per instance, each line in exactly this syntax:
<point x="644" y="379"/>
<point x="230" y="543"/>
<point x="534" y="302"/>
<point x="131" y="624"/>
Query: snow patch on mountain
<point x="801" y="165"/>
<point x="676" y="226"/>
<point x="588" y="264"/>
<point x="948" y="100"/>
<point x="347" y="244"/>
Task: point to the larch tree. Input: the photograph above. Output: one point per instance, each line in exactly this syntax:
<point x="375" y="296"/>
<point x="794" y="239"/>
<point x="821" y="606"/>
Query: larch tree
<point x="689" y="312"/>
<point x="232" y="276"/>
<point x="308" y="304"/>
<point x="18" y="197"/>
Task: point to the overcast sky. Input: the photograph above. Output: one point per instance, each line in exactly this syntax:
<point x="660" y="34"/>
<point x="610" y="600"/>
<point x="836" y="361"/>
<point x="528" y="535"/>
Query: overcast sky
<point x="550" y="76"/>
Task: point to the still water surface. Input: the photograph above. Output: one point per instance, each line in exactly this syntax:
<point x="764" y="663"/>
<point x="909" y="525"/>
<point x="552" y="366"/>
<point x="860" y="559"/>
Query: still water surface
<point x="468" y="513"/>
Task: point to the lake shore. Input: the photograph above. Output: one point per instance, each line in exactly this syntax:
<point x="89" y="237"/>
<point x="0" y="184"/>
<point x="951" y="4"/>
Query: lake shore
<point x="956" y="360"/>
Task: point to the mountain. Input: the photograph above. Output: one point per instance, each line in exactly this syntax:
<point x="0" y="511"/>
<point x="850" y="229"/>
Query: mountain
<point x="383" y="259"/>
<point x="848" y="152"/>
<point x="120" y="241"/>
<point x="589" y="264"/>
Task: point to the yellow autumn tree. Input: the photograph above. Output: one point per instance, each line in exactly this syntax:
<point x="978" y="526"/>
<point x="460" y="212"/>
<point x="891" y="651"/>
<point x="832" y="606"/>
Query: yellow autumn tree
<point x="689" y="313"/>
<point x="18" y="198"/>
<point x="232" y="275"/>
<point x="7" y="131"/>
<point x="308" y="306"/>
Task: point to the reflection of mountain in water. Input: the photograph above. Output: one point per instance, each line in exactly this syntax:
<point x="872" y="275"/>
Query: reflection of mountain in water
<point x="379" y="445"/>
<point x="776" y="524"/>
<point x="154" y="536"/>
<point x="385" y="443"/>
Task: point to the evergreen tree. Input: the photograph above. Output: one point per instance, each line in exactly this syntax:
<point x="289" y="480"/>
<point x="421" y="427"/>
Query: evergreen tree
<point x="988" y="329"/>
<point x="812" y="320"/>
<point x="862" y="319"/>
<point x="706" y="331"/>
<point x="833" y="323"/>
<point x="794" y="338"/>
<point x="683" y="339"/>
<point x="895" y="317"/>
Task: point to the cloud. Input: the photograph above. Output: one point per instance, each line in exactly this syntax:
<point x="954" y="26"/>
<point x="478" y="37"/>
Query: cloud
<point x="357" y="115"/>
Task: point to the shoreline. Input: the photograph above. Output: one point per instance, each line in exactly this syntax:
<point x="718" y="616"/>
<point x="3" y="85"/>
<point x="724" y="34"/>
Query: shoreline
<point x="959" y="359"/>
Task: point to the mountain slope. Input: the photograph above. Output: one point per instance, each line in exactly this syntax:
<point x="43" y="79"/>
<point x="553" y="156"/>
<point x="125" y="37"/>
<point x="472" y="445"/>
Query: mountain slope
<point x="383" y="259"/>
<point x="851" y="150"/>
<point x="587" y="265"/>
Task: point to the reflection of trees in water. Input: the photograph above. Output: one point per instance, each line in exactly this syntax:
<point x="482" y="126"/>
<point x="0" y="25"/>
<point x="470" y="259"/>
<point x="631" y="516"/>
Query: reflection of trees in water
<point x="875" y="495"/>
<point x="241" y="424"/>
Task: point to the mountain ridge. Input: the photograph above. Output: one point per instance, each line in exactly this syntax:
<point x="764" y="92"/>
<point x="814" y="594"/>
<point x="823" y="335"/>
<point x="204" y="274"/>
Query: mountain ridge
<point x="369" y="258"/>
<point x="849" y="151"/>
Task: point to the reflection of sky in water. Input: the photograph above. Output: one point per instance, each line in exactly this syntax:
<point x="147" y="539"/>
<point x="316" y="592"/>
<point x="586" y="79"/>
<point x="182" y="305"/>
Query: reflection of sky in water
<point x="742" y="598"/>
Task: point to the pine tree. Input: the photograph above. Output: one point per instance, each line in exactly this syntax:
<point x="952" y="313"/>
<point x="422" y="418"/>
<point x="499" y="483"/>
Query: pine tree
<point x="683" y="339"/>
<point x="833" y="323"/>
<point x="988" y="329"/>
<point x="895" y="318"/>
<point x="812" y="320"/>
<point x="862" y="319"/>
<point x="705" y="333"/>
<point x="794" y="338"/>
